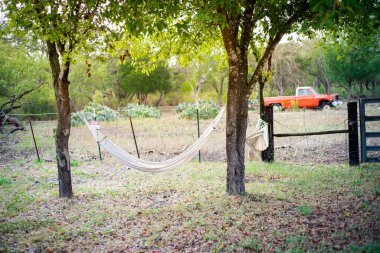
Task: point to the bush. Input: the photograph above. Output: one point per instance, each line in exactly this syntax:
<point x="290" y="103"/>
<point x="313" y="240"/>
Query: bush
<point x="207" y="109"/>
<point x="142" y="111"/>
<point x="94" y="111"/>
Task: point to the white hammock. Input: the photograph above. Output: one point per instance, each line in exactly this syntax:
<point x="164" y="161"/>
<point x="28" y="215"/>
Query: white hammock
<point x="259" y="140"/>
<point x="147" y="166"/>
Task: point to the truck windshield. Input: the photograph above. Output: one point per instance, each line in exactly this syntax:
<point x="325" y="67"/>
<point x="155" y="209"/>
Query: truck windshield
<point x="314" y="91"/>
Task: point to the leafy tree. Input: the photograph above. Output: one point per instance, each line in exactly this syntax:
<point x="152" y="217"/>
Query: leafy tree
<point x="67" y="28"/>
<point x="286" y="68"/>
<point x="22" y="78"/>
<point x="349" y="63"/>
<point x="91" y="75"/>
<point x="245" y="26"/>
<point x="134" y="82"/>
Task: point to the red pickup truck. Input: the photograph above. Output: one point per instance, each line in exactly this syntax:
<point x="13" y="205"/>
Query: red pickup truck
<point x="306" y="97"/>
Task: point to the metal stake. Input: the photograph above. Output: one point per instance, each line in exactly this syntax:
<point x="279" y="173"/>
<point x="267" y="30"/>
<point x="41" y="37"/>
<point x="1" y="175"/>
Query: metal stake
<point x="134" y="137"/>
<point x="34" y="140"/>
<point x="100" y="152"/>
<point x="199" y="154"/>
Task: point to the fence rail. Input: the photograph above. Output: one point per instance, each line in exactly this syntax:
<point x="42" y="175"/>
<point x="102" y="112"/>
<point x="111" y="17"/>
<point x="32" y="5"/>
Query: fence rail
<point x="343" y="131"/>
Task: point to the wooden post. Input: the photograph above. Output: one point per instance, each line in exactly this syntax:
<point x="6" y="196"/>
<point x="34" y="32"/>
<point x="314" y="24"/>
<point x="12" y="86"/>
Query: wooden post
<point x="268" y="154"/>
<point x="353" y="136"/>
<point x="134" y="137"/>
<point x="199" y="134"/>
<point x="34" y="140"/>
<point x="363" y="136"/>
<point x="100" y="152"/>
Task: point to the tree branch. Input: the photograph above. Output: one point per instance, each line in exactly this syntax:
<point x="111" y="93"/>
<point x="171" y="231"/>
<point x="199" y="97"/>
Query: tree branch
<point x="247" y="26"/>
<point x="15" y="99"/>
<point x="275" y="40"/>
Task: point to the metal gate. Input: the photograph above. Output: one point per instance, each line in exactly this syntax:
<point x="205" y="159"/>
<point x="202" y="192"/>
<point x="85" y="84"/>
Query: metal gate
<point x="364" y="135"/>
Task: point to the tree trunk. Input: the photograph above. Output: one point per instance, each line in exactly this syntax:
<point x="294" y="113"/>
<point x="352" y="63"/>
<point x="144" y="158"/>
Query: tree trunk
<point x="327" y="86"/>
<point x="159" y="102"/>
<point x="199" y="84"/>
<point x="62" y="133"/>
<point x="237" y="112"/>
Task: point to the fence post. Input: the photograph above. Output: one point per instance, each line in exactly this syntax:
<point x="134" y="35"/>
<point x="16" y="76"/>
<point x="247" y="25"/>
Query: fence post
<point x="199" y="134"/>
<point x="34" y="140"/>
<point x="268" y="154"/>
<point x="353" y="137"/>
<point x="134" y="137"/>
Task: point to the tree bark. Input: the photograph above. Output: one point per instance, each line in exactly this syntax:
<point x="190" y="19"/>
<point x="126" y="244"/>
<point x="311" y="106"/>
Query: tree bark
<point x="62" y="132"/>
<point x="237" y="112"/>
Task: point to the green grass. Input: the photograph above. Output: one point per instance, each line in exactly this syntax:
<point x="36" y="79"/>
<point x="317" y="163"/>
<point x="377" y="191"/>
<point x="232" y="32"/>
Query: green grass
<point x="189" y="208"/>
<point x="4" y="181"/>
<point x="305" y="210"/>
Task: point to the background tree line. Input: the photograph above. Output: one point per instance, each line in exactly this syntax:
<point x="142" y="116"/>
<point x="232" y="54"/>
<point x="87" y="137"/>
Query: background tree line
<point x="349" y="70"/>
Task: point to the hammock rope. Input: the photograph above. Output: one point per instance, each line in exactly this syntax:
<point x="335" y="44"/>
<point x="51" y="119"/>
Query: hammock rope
<point x="148" y="166"/>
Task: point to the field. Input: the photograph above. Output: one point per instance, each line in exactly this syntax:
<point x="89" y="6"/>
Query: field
<point x="309" y="200"/>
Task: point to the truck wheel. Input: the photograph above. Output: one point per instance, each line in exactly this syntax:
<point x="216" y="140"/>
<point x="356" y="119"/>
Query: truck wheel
<point x="325" y="106"/>
<point x="277" y="107"/>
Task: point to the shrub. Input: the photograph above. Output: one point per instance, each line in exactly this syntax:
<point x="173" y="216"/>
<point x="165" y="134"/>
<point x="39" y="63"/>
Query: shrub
<point x="142" y="111"/>
<point x="94" y="111"/>
<point x="207" y="109"/>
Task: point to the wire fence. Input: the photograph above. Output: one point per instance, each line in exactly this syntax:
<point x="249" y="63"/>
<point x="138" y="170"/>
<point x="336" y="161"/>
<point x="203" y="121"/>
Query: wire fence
<point x="162" y="138"/>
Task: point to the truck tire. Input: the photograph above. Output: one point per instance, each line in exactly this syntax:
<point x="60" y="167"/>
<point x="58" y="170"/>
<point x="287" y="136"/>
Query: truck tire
<point x="277" y="107"/>
<point x="325" y="106"/>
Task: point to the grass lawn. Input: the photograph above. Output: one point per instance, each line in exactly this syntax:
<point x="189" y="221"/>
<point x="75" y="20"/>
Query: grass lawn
<point x="287" y="208"/>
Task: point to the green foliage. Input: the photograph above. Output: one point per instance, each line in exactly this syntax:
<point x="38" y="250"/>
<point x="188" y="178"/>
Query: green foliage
<point x="134" y="82"/>
<point x="92" y="74"/>
<point x="20" y="71"/>
<point x="142" y="111"/>
<point x="94" y="111"/>
<point x="97" y="97"/>
<point x="207" y="109"/>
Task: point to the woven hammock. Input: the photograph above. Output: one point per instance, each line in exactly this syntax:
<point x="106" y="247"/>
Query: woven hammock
<point x="259" y="140"/>
<point x="148" y="166"/>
